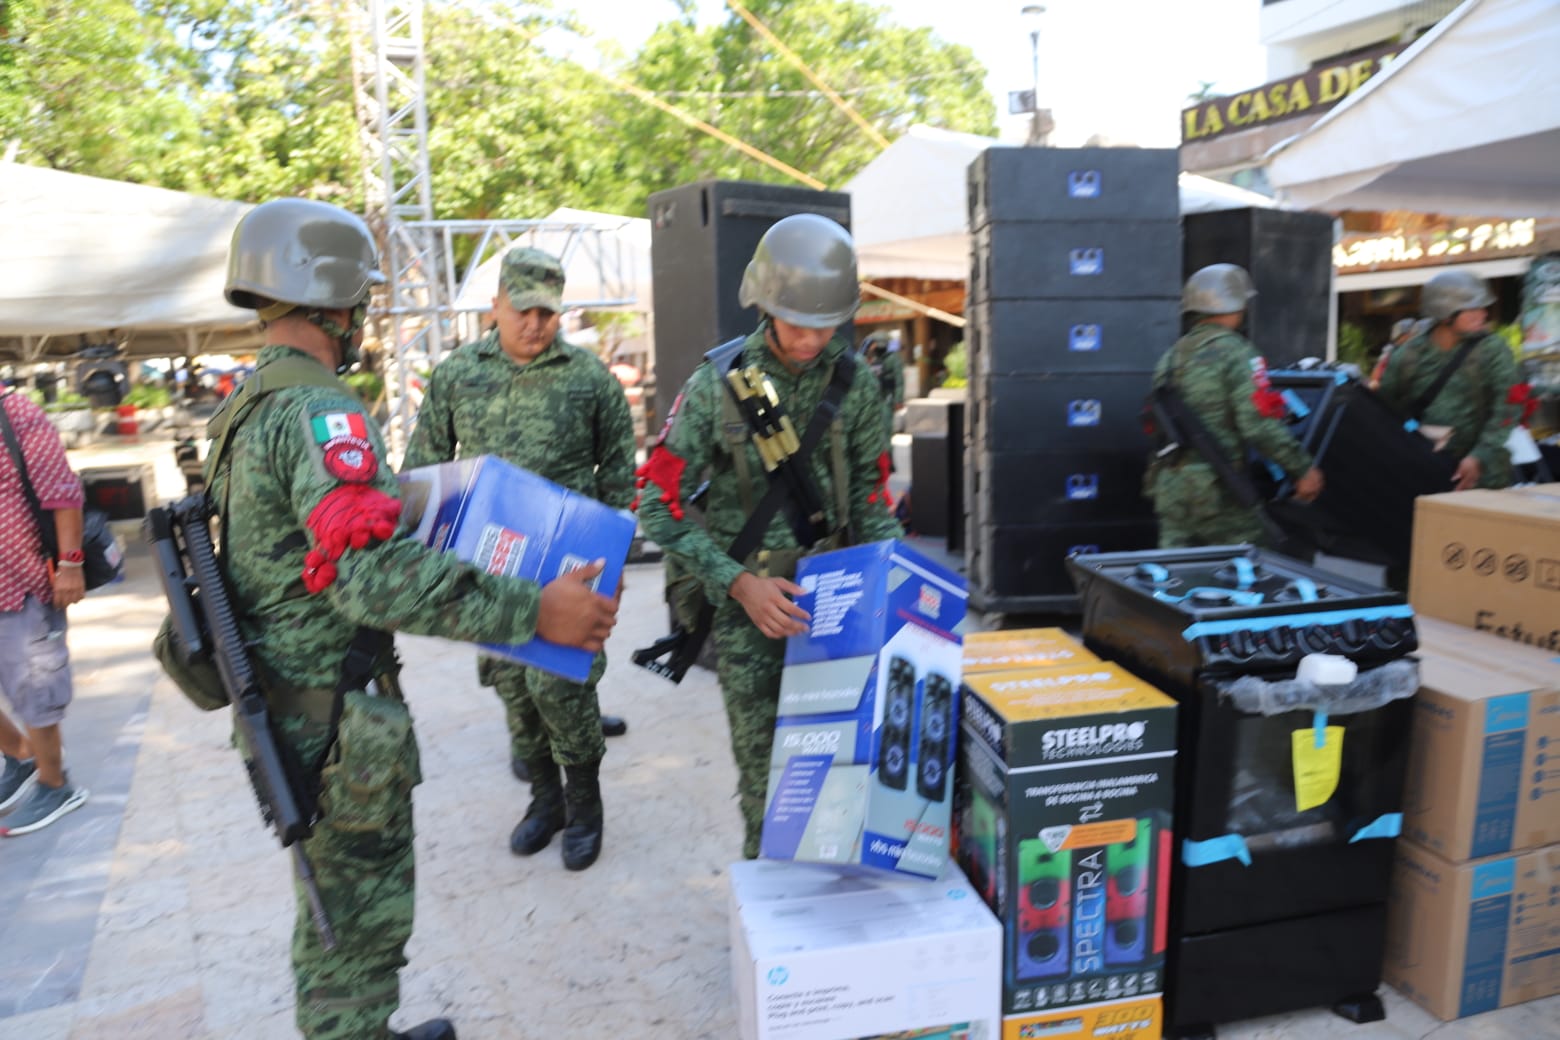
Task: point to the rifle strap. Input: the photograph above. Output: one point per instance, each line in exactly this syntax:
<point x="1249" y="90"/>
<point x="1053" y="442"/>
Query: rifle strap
<point x="1433" y="391"/>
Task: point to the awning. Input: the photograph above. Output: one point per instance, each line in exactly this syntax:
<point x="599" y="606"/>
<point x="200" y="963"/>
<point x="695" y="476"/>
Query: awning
<point x="1465" y="121"/>
<point x="1505" y="267"/>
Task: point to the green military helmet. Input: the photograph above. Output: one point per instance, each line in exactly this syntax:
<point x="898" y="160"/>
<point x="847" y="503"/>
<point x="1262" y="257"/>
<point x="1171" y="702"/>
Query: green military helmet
<point x="1452" y="291"/>
<point x="302" y="252"/>
<point x="1218" y="289"/>
<point x="803" y="272"/>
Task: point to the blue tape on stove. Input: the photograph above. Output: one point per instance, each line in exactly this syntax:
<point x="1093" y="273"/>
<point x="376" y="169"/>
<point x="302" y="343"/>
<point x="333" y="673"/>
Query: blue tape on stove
<point x="1323" y="617"/>
<point x="1387" y="825"/>
<point x="1215" y="850"/>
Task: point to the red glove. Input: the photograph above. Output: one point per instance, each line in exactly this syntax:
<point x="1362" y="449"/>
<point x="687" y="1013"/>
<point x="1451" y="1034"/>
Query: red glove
<point x="353" y="516"/>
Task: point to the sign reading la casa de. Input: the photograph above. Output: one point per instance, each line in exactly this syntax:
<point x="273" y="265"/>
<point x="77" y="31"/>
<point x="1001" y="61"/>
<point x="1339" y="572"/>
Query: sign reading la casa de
<point x="1310" y="93"/>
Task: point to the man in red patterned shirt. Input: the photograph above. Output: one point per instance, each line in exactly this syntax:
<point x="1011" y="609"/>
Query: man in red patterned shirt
<point x="34" y="592"/>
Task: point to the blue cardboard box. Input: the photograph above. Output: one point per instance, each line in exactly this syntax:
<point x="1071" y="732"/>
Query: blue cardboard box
<point x="869" y="702"/>
<point x="507" y="520"/>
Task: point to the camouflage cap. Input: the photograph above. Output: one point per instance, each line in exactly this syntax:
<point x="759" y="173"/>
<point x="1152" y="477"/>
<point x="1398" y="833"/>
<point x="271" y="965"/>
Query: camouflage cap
<point x="532" y="278"/>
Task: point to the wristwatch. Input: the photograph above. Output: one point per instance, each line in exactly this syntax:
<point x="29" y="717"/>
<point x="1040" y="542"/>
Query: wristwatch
<point x="74" y="558"/>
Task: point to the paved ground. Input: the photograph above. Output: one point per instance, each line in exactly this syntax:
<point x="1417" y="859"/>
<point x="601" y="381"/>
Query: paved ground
<point x="162" y="908"/>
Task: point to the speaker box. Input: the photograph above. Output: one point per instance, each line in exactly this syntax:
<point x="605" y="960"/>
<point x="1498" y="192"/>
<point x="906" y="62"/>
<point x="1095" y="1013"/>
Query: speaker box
<point x="1289" y="255"/>
<point x="893" y="762"/>
<point x="702" y="236"/>
<point x="932" y="751"/>
<point x="936" y="429"/>
<point x="1034" y="336"/>
<point x="1061" y="411"/>
<point x="1016" y="568"/>
<point x="1079" y="184"/>
<point x="1060" y="487"/>
<point x="1043" y="259"/>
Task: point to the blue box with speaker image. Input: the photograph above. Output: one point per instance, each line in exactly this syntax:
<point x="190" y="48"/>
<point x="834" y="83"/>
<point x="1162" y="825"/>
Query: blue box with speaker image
<point x="864" y="740"/>
<point x="506" y="520"/>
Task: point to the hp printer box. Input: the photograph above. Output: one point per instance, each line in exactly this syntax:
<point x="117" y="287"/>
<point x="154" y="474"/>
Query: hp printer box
<point x="864" y="739"/>
<point x="509" y="521"/>
<point x="820" y="953"/>
<point x="1066" y="788"/>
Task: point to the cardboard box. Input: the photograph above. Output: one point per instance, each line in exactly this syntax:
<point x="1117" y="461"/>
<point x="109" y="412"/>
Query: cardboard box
<point x="820" y="954"/>
<point x="1483" y="775"/>
<point x="1067" y="783"/>
<point x="1141" y="1019"/>
<point x="1490" y="560"/>
<point x="1017" y="649"/>
<point x="1463" y="938"/>
<point x="507" y="520"/>
<point x="864" y="740"/>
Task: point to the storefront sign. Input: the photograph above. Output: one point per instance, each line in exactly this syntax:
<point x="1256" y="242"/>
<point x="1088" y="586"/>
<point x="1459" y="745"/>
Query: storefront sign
<point x="1374" y="251"/>
<point x="1310" y="93"/>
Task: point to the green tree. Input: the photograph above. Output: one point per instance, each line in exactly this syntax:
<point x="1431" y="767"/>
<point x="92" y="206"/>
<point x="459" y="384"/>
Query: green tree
<point x="729" y="76"/>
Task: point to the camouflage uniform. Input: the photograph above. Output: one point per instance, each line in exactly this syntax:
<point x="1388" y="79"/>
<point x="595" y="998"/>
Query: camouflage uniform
<point x="888" y="367"/>
<point x="302" y="450"/>
<point x="1223" y="381"/>
<point x="694" y="442"/>
<point x="562" y="416"/>
<point x="1473" y="402"/>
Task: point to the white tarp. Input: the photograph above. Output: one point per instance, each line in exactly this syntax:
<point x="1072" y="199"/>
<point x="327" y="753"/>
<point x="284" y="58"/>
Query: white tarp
<point x="910" y="214"/>
<point x="85" y="255"/>
<point x="1465" y="122"/>
<point x="610" y="265"/>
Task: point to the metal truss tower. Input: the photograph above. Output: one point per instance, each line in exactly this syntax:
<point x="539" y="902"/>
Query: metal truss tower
<point x="388" y="85"/>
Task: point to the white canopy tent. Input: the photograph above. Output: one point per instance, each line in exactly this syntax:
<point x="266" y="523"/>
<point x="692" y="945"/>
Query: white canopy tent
<point x="84" y="256"/>
<point x="909" y="209"/>
<point x="1465" y="121"/>
<point x="597" y="269"/>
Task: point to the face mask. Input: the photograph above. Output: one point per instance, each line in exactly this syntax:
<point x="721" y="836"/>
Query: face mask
<point x="345" y="337"/>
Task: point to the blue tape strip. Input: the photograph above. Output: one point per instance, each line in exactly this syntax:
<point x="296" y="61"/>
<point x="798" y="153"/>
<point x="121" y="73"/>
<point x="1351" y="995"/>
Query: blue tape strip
<point x="1295" y="403"/>
<point x="1319" y="728"/>
<point x="1155" y="572"/>
<point x="1241" y="598"/>
<point x="1214" y="850"/>
<point x="1245" y="574"/>
<point x="1307" y="589"/>
<point x="1387" y="825"/>
<point x="1322" y="617"/>
<point x="1411" y="425"/>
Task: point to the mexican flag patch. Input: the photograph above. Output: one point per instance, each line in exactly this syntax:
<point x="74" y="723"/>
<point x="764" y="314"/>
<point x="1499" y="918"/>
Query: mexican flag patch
<point x="338" y="424"/>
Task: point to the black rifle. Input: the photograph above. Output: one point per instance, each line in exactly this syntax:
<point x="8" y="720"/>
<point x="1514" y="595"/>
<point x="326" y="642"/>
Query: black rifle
<point x="1179" y="427"/>
<point x="204" y="625"/>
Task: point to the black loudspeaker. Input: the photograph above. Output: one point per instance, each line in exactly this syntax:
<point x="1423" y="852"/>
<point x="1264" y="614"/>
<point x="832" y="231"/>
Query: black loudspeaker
<point x="702" y="236"/>
<point x="1289" y="255"/>
<point x="932" y="759"/>
<point x="893" y="765"/>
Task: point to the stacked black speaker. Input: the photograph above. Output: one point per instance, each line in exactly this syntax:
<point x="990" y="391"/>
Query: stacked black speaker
<point x="702" y="236"/>
<point x="1289" y="256"/>
<point x="1073" y="294"/>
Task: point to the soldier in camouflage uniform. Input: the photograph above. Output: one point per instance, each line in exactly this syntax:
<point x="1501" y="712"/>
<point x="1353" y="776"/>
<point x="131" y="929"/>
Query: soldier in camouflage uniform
<point x="1476" y="401"/>
<point x="888" y="366"/>
<point x="1223" y="381"/>
<point x="313" y="549"/>
<point x="803" y="280"/>
<point x="525" y="395"/>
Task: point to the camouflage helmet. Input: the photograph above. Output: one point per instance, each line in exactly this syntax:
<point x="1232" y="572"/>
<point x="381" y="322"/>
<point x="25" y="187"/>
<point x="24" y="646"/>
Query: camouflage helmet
<point x="302" y="252"/>
<point x="1402" y="329"/>
<point x="803" y="272"/>
<point x="1452" y="291"/>
<point x="1217" y="289"/>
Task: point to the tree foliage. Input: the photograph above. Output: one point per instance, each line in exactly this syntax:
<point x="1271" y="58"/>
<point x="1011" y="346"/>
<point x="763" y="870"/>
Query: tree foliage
<point x="252" y="99"/>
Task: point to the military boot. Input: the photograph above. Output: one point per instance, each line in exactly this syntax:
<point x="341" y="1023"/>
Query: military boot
<point x="544" y="817"/>
<point x="434" y="1029"/>
<point x="582" y="837"/>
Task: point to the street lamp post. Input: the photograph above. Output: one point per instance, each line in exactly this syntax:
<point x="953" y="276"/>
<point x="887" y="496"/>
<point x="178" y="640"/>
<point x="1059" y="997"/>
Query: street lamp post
<point x="1040" y="119"/>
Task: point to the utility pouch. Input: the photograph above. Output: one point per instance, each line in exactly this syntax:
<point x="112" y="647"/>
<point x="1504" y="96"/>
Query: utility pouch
<point x="198" y="678"/>
<point x="684" y="594"/>
<point x="367" y="781"/>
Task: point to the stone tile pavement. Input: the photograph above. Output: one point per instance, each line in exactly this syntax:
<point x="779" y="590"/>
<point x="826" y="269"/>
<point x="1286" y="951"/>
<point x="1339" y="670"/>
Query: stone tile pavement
<point x="162" y="909"/>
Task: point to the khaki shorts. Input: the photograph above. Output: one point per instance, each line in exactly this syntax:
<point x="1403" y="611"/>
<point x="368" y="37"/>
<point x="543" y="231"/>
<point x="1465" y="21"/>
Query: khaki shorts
<point x="35" y="663"/>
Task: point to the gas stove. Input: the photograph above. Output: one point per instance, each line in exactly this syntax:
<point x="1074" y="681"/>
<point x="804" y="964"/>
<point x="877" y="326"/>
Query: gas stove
<point x="1226" y="609"/>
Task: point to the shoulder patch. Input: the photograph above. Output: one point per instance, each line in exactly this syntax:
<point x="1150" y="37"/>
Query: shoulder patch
<point x="342" y="441"/>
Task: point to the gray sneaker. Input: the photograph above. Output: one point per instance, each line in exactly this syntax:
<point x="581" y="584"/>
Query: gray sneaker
<point x="16" y="780"/>
<point x="41" y="808"/>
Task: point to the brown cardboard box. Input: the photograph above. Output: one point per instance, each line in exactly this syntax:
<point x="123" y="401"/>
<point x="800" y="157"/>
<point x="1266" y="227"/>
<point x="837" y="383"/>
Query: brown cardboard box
<point x="1469" y="937"/>
<point x="1490" y="560"/>
<point x="1483" y="768"/>
<point x="1019" y="648"/>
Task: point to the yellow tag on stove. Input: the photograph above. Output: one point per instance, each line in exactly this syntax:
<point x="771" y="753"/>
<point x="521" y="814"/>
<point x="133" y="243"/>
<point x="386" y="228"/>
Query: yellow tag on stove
<point x="1316" y="766"/>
